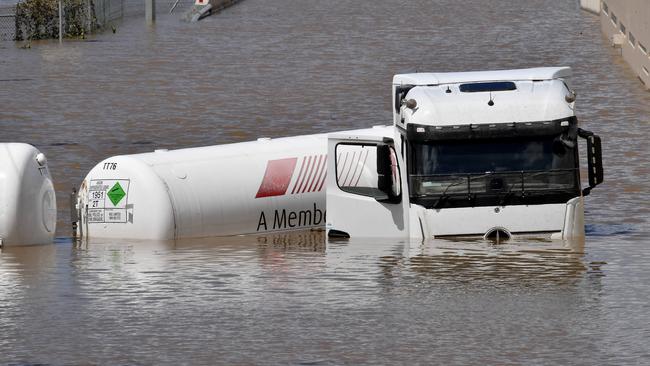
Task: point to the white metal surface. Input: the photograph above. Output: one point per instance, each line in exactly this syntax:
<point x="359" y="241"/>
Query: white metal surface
<point x="440" y="102"/>
<point x="538" y="73"/>
<point x="531" y="102"/>
<point x="358" y="215"/>
<point x="574" y="219"/>
<point x="250" y="187"/>
<point x="310" y="182"/>
<point x="478" y="220"/>
<point x="27" y="198"/>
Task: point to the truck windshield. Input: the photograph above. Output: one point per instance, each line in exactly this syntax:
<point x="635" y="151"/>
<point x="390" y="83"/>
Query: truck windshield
<point x="466" y="173"/>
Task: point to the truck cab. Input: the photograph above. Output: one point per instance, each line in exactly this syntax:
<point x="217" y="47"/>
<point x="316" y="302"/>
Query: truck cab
<point x="491" y="153"/>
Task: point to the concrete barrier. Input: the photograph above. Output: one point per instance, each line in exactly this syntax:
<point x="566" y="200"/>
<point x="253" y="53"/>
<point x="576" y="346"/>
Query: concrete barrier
<point x="204" y="8"/>
<point x="591" y="5"/>
<point x="626" y="23"/>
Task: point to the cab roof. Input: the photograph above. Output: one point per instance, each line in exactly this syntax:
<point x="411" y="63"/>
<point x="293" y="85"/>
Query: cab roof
<point x="438" y="78"/>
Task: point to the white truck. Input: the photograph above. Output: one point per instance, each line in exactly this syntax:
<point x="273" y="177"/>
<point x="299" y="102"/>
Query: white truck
<point x="492" y="154"/>
<point x="27" y="197"/>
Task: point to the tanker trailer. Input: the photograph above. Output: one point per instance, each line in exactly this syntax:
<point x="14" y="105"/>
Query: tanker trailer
<point x="242" y="188"/>
<point x="27" y="198"/>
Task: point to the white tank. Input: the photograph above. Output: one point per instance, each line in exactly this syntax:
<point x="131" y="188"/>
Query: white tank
<point x="250" y="187"/>
<point x="27" y="198"/>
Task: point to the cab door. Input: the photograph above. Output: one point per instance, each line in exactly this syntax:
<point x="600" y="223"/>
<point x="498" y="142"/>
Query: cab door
<point x="365" y="188"/>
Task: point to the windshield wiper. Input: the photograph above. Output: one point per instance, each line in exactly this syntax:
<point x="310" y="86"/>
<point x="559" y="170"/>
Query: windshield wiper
<point x="524" y="174"/>
<point x="444" y="196"/>
<point x="502" y="201"/>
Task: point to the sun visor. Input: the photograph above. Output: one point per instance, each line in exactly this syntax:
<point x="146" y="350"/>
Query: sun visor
<point x="418" y="132"/>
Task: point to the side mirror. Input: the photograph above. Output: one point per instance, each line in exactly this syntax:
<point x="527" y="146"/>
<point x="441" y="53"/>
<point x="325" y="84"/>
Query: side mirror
<point x="388" y="181"/>
<point x="594" y="159"/>
<point x="400" y="94"/>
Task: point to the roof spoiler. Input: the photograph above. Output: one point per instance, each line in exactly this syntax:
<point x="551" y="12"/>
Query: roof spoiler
<point x="538" y="73"/>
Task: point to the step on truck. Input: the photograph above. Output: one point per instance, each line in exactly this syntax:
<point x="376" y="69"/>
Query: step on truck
<point x="489" y="153"/>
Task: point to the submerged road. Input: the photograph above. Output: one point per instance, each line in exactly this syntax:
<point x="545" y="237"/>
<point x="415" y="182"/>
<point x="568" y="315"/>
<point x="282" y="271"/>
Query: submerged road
<point x="290" y="67"/>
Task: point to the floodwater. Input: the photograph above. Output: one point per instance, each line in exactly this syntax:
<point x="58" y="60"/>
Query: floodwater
<point x="287" y="67"/>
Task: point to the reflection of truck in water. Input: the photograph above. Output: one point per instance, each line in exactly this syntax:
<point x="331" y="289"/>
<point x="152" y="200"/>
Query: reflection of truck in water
<point x="476" y="153"/>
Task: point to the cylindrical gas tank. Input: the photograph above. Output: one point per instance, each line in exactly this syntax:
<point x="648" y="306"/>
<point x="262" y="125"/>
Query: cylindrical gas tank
<point x="250" y="187"/>
<point x="27" y="198"/>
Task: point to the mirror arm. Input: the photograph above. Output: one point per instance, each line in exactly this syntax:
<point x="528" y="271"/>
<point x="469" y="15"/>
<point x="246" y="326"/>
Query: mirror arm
<point x="594" y="159"/>
<point x="584" y="133"/>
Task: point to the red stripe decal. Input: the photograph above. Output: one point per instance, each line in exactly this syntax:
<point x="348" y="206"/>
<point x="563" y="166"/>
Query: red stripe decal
<point x="276" y="177"/>
<point x="339" y="172"/>
<point x="361" y="172"/>
<point x="347" y="173"/>
<point x="302" y="167"/>
<point x="355" y="163"/>
<point x="311" y="171"/>
<point x="302" y="181"/>
<point x="321" y="175"/>
<point x="314" y="179"/>
<point x="320" y="186"/>
<point x="356" y="167"/>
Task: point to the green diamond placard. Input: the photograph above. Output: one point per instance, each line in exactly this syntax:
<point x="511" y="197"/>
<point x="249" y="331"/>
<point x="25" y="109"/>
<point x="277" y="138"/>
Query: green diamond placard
<point x="116" y="194"/>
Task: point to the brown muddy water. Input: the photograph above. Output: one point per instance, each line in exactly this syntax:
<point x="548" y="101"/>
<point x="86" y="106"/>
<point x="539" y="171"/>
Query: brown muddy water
<point x="287" y="67"/>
